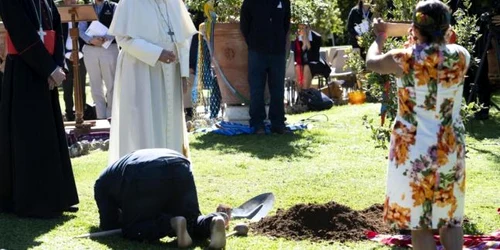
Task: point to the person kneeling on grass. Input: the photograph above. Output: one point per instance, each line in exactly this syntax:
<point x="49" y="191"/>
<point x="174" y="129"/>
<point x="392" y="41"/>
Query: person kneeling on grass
<point x="151" y="194"/>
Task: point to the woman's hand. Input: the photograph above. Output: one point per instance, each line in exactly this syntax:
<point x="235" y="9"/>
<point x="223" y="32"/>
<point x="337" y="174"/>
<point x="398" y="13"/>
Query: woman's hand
<point x="379" y="27"/>
<point x="412" y="40"/>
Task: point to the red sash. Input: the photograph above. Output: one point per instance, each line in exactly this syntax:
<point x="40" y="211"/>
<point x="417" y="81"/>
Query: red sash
<point x="49" y="40"/>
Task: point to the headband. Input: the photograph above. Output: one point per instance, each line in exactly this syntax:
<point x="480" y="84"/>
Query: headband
<point x="425" y="22"/>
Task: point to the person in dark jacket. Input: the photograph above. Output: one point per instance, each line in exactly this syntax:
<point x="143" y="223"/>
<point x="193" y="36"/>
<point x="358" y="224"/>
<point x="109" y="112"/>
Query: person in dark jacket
<point x="265" y="25"/>
<point x="150" y="194"/>
<point x="307" y="59"/>
<point x="360" y="14"/>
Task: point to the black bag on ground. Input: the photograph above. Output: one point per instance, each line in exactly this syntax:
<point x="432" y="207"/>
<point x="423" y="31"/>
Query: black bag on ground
<point x="315" y="99"/>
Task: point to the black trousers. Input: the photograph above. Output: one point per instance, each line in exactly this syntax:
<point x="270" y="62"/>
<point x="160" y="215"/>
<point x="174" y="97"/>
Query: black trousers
<point x="149" y="197"/>
<point x="262" y="67"/>
<point x="68" y="86"/>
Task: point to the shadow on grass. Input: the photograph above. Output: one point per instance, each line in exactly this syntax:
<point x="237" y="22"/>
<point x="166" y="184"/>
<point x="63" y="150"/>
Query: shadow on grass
<point x="493" y="155"/>
<point x="485" y="129"/>
<point x="118" y="242"/>
<point x="21" y="233"/>
<point x="261" y="146"/>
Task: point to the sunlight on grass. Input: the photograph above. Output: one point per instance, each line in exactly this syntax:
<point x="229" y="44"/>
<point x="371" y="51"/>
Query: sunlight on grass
<point x="334" y="161"/>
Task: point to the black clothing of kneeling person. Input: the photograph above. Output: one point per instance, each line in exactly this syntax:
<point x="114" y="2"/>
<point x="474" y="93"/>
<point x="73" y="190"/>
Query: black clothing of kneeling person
<point x="151" y="194"/>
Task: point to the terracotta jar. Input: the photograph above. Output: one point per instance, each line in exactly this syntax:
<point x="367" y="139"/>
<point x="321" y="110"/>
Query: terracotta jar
<point x="231" y="54"/>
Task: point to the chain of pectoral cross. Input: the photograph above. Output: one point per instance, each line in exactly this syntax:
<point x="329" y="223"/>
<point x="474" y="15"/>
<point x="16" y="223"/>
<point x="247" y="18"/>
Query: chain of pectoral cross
<point x="166" y="20"/>
<point x="39" y="17"/>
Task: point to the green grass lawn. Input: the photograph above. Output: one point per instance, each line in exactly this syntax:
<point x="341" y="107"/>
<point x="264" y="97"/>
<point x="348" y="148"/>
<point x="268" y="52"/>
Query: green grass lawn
<point x="334" y="161"/>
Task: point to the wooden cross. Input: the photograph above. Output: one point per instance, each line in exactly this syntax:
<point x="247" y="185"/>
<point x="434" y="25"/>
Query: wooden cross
<point x="42" y="34"/>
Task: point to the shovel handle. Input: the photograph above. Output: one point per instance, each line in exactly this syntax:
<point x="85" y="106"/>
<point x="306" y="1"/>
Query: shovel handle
<point x="100" y="234"/>
<point x="231" y="234"/>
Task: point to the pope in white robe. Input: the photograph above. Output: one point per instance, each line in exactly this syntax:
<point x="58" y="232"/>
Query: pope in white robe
<point x="147" y="107"/>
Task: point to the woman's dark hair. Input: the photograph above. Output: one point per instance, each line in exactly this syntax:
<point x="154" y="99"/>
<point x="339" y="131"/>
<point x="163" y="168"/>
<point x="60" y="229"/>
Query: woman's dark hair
<point x="432" y="18"/>
<point x="360" y="3"/>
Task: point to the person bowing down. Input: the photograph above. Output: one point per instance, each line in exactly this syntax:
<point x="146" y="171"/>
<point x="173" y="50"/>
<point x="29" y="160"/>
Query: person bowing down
<point x="150" y="194"/>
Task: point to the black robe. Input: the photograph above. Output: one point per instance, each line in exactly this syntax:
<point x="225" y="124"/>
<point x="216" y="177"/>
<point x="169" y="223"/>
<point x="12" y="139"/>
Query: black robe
<point x="36" y="177"/>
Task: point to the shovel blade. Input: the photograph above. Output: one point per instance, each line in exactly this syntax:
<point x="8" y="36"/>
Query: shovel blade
<point x="255" y="208"/>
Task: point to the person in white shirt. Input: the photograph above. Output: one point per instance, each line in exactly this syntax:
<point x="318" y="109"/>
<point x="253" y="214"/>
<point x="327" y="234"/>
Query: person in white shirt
<point x="99" y="61"/>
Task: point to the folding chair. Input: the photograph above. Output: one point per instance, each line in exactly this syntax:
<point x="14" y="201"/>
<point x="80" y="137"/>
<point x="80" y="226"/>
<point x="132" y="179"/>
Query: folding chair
<point x="338" y="61"/>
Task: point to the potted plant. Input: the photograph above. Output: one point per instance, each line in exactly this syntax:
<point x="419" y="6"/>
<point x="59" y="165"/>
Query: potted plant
<point x="383" y="87"/>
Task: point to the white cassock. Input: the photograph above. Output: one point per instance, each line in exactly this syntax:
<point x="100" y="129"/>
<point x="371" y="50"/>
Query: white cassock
<point x="147" y="106"/>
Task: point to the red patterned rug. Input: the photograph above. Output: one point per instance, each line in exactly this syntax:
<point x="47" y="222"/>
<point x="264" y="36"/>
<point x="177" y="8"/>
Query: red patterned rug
<point x="471" y="242"/>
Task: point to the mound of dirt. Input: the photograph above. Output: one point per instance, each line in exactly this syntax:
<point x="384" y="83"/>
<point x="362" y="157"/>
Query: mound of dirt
<point x="323" y="222"/>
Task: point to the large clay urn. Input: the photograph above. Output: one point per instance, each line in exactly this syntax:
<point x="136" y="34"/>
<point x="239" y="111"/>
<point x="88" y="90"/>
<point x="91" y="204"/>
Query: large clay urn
<point x="231" y="53"/>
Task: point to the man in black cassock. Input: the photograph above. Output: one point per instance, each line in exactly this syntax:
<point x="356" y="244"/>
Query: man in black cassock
<point x="150" y="194"/>
<point x="36" y="177"/>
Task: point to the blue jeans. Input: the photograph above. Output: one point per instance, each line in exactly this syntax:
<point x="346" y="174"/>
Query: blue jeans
<point x="271" y="67"/>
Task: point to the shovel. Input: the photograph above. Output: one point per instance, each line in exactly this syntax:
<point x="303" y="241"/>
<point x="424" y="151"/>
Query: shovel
<point x="254" y="209"/>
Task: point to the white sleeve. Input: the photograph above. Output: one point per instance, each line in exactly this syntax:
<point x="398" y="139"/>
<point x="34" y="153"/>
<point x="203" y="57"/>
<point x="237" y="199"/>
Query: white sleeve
<point x="141" y="49"/>
<point x="461" y="50"/>
<point x="183" y="53"/>
<point x="467" y="56"/>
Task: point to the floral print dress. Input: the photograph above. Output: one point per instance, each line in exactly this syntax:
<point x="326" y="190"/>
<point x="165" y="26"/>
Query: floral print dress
<point x="426" y="174"/>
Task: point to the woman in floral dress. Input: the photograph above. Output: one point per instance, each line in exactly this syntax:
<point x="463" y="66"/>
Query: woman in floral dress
<point x="426" y="174"/>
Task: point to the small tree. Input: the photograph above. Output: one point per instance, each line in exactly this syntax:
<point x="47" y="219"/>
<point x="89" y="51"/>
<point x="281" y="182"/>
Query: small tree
<point x="383" y="87"/>
<point x="323" y="15"/>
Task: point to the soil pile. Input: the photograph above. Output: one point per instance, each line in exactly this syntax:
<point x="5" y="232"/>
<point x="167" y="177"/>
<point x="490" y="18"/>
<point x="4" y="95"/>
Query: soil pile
<point x="330" y="222"/>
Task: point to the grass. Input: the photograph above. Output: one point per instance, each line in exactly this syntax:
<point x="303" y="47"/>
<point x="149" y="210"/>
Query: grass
<point x="334" y="161"/>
